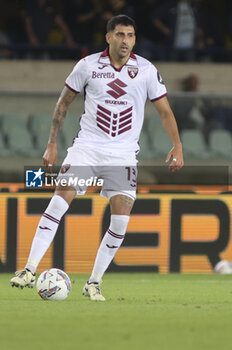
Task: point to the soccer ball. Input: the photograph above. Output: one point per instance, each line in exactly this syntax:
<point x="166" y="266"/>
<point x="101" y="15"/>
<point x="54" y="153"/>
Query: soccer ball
<point x="223" y="267"/>
<point x="53" y="284"/>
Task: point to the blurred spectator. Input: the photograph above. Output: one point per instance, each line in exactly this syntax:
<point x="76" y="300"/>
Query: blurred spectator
<point x="148" y="36"/>
<point x="195" y="112"/>
<point x="11" y="26"/>
<point x="209" y="29"/>
<point x="208" y="24"/>
<point x="4" y="41"/>
<point x="230" y="19"/>
<point x="117" y="7"/>
<point x="187" y="109"/>
<point x="228" y="37"/>
<point x="178" y="24"/>
<point x="82" y="15"/>
<point x="167" y="29"/>
<point x="40" y="18"/>
<point x="108" y="9"/>
<point x="190" y="83"/>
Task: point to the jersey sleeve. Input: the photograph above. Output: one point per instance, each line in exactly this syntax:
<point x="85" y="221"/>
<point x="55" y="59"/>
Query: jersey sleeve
<point x="156" y="86"/>
<point x="77" y="79"/>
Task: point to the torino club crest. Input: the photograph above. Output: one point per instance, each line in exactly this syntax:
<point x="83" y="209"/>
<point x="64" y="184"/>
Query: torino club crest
<point x="132" y="71"/>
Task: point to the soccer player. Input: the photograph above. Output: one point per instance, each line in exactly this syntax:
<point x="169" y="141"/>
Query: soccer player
<point x="116" y="83"/>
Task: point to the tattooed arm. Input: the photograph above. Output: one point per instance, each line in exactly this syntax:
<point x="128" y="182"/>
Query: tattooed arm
<point x="65" y="99"/>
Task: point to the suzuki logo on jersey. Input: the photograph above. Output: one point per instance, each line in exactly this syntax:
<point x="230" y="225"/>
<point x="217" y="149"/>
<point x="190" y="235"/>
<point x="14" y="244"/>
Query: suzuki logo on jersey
<point x="116" y="87"/>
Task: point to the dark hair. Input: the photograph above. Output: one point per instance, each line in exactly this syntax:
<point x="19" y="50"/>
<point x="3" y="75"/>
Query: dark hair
<point x="120" y="19"/>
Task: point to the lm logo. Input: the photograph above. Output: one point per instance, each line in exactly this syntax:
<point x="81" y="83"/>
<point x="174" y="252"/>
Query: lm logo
<point x="116" y="86"/>
<point x="34" y="178"/>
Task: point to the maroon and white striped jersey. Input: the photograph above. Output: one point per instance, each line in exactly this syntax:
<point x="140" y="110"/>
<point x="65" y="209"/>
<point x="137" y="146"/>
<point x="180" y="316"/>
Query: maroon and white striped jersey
<point x="114" y="100"/>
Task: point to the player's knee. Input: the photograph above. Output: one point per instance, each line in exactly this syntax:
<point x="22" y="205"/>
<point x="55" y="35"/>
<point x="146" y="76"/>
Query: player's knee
<point x="67" y="193"/>
<point x="121" y="205"/>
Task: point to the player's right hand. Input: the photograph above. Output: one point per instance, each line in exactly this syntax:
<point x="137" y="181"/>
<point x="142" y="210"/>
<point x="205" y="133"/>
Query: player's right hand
<point x="50" y="156"/>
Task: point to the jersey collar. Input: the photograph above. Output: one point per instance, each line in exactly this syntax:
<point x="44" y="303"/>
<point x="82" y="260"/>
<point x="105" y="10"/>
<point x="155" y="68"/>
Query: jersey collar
<point x="105" y="59"/>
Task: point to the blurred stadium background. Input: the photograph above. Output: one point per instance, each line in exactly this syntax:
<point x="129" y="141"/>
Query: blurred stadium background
<point x="182" y="221"/>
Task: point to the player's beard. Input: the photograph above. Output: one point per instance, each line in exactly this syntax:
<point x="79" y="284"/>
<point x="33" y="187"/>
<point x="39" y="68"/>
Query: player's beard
<point x="122" y="55"/>
<point x="124" y="52"/>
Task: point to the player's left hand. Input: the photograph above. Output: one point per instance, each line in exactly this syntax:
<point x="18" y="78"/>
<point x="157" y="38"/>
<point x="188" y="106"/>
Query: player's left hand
<point x="175" y="156"/>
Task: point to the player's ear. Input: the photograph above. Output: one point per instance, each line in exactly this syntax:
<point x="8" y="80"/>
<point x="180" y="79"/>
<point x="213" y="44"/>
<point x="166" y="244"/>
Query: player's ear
<point x="108" y="38"/>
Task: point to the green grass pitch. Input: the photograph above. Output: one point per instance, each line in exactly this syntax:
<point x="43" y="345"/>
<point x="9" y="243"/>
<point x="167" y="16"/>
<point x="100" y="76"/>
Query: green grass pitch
<point x="142" y="311"/>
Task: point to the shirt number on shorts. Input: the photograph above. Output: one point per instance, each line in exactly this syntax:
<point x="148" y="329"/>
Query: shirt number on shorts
<point x="131" y="175"/>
